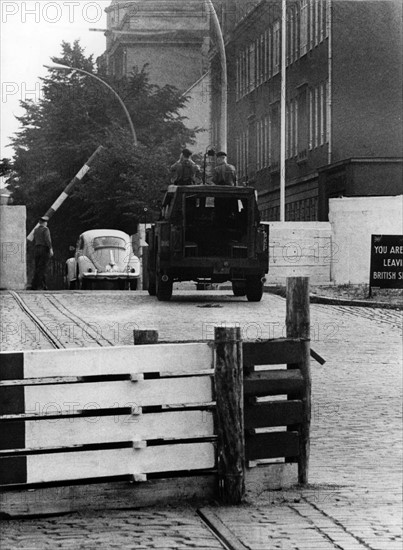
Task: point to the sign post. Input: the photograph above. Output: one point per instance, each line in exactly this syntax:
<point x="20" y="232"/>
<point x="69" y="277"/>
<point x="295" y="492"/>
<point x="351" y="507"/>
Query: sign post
<point x="386" y="262"/>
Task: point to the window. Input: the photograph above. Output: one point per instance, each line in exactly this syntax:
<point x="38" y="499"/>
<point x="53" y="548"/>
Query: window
<point x="322" y="113"/>
<point x="258" y="58"/>
<point x="325" y="10"/>
<point x="276" y="47"/>
<point x="292" y="35"/>
<point x="302" y="125"/>
<point x="316" y="118"/>
<point x="318" y="132"/>
<point x="266" y="142"/>
<point x="237" y="80"/>
<point x="310" y="114"/>
<point x="303" y="31"/>
<point x="252" y="67"/>
<point x="287" y="131"/>
<point x="328" y="119"/>
<point x="108" y="242"/>
<point x="261" y="144"/>
<point x="242" y="154"/>
<point x="319" y="25"/>
<point x="311" y="12"/>
<point x="275" y="135"/>
<point x="269" y="54"/>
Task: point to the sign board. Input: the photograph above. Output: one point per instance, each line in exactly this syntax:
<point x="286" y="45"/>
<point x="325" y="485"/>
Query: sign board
<point x="386" y="261"/>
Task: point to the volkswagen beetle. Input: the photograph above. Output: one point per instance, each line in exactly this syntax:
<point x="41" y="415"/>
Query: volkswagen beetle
<point x="103" y="258"/>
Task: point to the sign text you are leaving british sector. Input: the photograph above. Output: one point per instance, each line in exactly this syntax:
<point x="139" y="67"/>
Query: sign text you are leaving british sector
<point x="386" y="261"/>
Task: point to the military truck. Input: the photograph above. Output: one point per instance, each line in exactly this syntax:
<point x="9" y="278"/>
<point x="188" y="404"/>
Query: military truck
<point x="208" y="234"/>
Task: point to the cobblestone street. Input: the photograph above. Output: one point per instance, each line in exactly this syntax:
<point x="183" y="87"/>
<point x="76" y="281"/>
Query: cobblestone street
<point x="354" y="498"/>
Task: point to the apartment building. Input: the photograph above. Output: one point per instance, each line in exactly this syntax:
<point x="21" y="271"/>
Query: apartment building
<point x="343" y="119"/>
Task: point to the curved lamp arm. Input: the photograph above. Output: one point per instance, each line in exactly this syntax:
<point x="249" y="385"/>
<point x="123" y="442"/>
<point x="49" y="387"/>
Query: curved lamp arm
<point x="58" y="66"/>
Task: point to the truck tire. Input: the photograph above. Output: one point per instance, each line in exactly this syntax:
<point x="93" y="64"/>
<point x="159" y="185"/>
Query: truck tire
<point x="133" y="284"/>
<point x="164" y="288"/>
<point x="254" y="288"/>
<point x="151" y="284"/>
<point x="238" y="289"/>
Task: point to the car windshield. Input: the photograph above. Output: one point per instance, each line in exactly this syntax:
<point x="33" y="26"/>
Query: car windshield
<point x="108" y="242"/>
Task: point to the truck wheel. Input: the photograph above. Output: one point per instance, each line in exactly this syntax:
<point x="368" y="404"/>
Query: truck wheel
<point x="164" y="289"/>
<point x="239" y="289"/>
<point x="133" y="284"/>
<point x="151" y="284"/>
<point x="254" y="288"/>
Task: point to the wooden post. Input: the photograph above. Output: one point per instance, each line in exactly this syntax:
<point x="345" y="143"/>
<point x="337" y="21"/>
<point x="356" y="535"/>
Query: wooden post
<point x="230" y="416"/>
<point x="298" y="326"/>
<point x="145" y="337"/>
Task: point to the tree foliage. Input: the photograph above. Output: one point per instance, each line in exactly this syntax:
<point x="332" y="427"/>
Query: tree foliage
<point x="75" y="115"/>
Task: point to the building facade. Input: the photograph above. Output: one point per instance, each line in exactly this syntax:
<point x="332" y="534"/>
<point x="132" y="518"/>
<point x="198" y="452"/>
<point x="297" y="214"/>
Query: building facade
<point x="170" y="36"/>
<point x="343" y="122"/>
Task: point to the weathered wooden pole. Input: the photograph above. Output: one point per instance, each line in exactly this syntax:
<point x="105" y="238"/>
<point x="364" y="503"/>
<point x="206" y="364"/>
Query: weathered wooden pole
<point x="230" y="416"/>
<point x="298" y="326"/>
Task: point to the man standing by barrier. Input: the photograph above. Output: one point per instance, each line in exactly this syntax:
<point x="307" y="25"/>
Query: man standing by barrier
<point x="43" y="253"/>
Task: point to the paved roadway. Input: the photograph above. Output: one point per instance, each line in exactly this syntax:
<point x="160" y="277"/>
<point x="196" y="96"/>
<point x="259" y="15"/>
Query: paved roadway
<point x="354" y="500"/>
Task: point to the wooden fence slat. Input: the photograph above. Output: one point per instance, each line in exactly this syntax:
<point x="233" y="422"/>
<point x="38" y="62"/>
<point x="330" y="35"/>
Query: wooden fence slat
<point x="65" y="432"/>
<point x="272" y="445"/>
<point x="110" y="495"/>
<point x="298" y="326"/>
<point x="109" y="395"/>
<point x="229" y="411"/>
<point x="272" y="352"/>
<point x="273" y="382"/>
<point x="44" y="468"/>
<point x="275" y="413"/>
<point x="188" y="357"/>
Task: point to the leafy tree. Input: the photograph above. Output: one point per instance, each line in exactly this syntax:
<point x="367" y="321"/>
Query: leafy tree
<point x="6" y="167"/>
<point x="74" y="116"/>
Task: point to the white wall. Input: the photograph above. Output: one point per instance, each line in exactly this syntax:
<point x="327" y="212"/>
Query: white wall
<point x="299" y="249"/>
<point x="13" y="271"/>
<point x="354" y="220"/>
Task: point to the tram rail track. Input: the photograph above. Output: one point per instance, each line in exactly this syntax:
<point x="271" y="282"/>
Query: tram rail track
<point x="61" y="327"/>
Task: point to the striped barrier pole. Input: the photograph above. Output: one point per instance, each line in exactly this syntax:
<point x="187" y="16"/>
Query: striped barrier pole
<point x="77" y="178"/>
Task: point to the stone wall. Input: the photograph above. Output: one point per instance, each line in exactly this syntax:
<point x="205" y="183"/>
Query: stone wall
<point x="13" y="247"/>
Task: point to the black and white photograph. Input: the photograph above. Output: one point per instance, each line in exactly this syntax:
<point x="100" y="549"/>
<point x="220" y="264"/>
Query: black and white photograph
<point x="201" y="274"/>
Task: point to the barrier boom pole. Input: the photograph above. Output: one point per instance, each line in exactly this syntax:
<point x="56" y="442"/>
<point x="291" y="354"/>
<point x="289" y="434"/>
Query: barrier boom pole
<point x="77" y="178"/>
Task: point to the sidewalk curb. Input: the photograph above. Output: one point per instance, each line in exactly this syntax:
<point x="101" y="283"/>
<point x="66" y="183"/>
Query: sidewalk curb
<point x="317" y="299"/>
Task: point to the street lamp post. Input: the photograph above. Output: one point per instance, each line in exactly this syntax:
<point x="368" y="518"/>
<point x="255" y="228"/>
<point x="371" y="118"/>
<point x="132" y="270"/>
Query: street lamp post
<point x="59" y="66"/>
<point x="282" y="109"/>
<point x="224" y="83"/>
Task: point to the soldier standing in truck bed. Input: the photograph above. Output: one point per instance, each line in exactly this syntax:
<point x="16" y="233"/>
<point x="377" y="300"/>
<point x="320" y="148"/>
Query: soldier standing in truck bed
<point x="185" y="171"/>
<point x="224" y="173"/>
